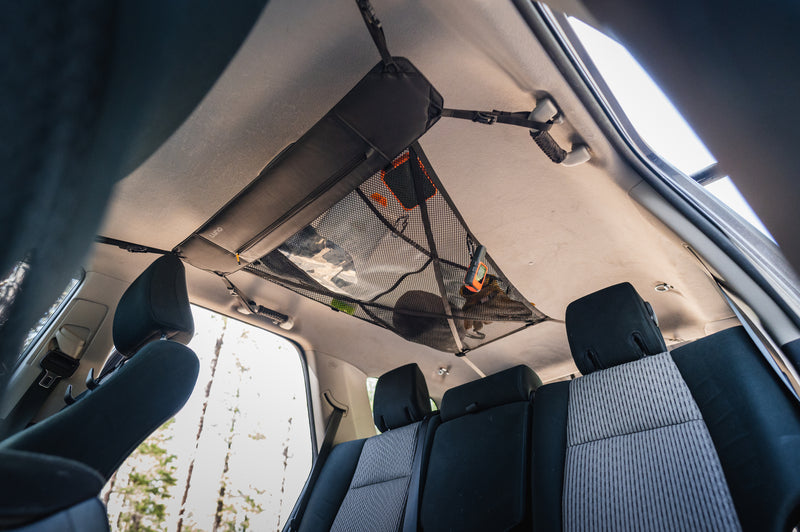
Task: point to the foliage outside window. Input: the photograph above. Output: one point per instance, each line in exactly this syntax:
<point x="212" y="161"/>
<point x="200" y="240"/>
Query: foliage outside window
<point x="237" y="455"/>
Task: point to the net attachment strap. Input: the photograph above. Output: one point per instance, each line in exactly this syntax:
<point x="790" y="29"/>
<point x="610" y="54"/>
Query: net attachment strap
<point x="522" y="119"/>
<point x="130" y="247"/>
<point x="437" y="267"/>
<point x="539" y="130"/>
<point x="375" y="30"/>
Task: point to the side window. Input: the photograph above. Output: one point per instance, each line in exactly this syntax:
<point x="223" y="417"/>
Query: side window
<point x="657" y="121"/>
<point x="57" y="305"/>
<point x="237" y="455"/>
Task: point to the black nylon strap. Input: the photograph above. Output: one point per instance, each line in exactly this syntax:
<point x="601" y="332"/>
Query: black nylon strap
<point x="375" y="30"/>
<point x="500" y="117"/>
<point x="411" y="517"/>
<point x="325" y="449"/>
<point x="437" y="267"/>
<point x="130" y="246"/>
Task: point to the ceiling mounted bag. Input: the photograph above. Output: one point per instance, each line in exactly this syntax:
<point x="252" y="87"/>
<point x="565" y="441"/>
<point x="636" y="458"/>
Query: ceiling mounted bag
<point x="389" y="109"/>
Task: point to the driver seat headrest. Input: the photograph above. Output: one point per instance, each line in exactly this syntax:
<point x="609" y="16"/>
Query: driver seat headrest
<point x="155" y="305"/>
<point x="611" y="327"/>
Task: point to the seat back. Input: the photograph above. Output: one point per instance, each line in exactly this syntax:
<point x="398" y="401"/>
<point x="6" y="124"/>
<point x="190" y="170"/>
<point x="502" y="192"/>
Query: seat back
<point x="106" y="424"/>
<point x="476" y="477"/>
<point x="365" y="485"/>
<point x="700" y="438"/>
<point x="46" y="493"/>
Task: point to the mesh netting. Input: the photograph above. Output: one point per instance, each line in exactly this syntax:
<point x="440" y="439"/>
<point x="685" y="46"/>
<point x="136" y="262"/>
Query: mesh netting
<point x="395" y="252"/>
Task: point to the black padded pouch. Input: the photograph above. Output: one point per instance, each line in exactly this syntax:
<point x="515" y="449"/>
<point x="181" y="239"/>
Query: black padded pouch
<point x="390" y="108"/>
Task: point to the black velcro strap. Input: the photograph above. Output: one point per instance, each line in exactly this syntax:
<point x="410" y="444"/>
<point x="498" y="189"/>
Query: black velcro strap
<point x="500" y="117"/>
<point x="375" y="30"/>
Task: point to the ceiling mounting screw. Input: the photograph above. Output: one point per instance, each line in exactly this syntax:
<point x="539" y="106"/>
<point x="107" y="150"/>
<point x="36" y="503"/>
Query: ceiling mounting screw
<point x="664" y="287"/>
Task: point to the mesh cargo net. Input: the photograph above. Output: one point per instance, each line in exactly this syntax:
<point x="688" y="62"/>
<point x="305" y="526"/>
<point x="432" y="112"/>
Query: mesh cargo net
<point x="395" y="252"/>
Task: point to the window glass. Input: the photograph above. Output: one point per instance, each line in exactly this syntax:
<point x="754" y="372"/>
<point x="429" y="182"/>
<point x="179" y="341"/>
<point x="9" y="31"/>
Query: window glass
<point x="51" y="312"/>
<point x="656" y="119"/>
<point x="237" y="455"/>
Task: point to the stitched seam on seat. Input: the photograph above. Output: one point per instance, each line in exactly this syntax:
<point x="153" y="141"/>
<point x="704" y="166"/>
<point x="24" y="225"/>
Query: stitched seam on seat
<point x="379" y="482"/>
<point x="636" y="432"/>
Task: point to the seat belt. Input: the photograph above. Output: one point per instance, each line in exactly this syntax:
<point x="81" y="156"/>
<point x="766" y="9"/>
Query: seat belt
<point x="411" y="517"/>
<point x="293" y="524"/>
<point x="56" y="365"/>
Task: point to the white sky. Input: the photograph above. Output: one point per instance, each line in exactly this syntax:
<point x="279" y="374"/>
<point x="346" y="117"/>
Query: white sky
<point x="655" y="118"/>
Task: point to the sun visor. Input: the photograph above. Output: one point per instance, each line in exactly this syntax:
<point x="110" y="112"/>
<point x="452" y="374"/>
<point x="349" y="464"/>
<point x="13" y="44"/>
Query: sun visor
<point x="389" y="109"/>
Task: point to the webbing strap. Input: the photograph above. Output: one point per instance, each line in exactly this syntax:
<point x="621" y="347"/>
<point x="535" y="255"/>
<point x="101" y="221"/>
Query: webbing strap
<point x="500" y="117"/>
<point x="375" y="30"/>
<point x="130" y="246"/>
<point x="539" y="130"/>
<point x="327" y="444"/>
<point x="437" y="267"/>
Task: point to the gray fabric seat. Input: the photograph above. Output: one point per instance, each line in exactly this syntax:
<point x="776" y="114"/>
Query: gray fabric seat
<point x="639" y="455"/>
<point x="365" y="485"/>
<point x="651" y="440"/>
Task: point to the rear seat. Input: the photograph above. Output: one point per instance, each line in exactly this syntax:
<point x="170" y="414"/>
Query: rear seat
<point x="477" y="473"/>
<point x="364" y="484"/>
<point x="701" y="438"/>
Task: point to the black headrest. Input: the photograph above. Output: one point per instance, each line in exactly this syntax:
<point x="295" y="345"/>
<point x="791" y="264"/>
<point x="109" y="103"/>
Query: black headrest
<point x="508" y="386"/>
<point x="401" y="398"/>
<point x="611" y="327"/>
<point x="154" y="305"/>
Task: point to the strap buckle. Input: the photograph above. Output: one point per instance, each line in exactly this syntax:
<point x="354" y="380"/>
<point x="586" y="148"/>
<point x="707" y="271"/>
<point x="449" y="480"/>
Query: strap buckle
<point x="483" y="117"/>
<point x="369" y="13"/>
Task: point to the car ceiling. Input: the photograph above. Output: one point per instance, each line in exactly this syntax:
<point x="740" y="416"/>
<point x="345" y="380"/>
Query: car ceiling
<point x="558" y="233"/>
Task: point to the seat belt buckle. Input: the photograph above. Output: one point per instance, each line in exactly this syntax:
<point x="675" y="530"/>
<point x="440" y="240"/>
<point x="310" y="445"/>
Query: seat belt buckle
<point x="48" y="379"/>
<point x="56" y="365"/>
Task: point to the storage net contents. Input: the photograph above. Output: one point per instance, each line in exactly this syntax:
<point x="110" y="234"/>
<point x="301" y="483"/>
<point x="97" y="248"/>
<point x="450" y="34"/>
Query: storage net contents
<point x="395" y="252"/>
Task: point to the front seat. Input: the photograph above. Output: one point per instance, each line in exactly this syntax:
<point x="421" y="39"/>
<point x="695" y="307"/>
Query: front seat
<point x="152" y="322"/>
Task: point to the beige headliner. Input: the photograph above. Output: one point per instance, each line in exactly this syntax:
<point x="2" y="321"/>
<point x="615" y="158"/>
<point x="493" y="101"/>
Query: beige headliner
<point x="558" y="233"/>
